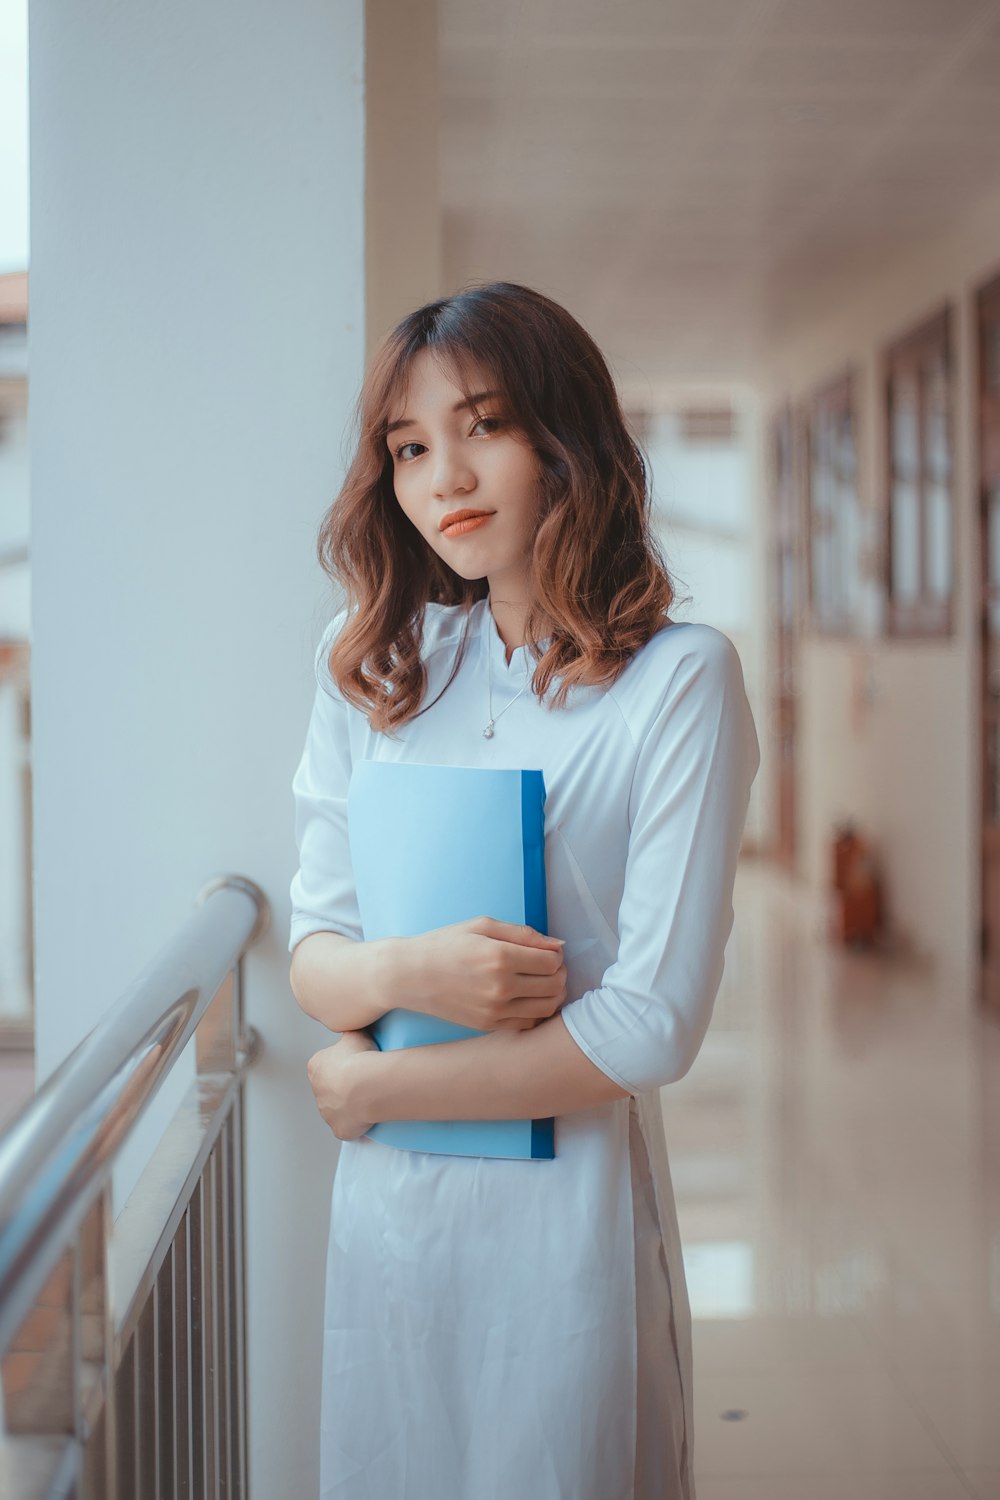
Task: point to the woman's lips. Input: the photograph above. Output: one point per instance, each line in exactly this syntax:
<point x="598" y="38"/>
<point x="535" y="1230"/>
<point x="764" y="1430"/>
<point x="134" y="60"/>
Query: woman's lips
<point x="471" y="523"/>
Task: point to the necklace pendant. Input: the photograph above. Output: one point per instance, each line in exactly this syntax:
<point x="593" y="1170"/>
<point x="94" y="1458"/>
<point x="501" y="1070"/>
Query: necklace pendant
<point x="488" y="731"/>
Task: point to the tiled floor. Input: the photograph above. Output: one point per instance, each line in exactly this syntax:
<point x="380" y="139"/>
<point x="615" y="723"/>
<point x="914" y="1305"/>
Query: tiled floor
<point x="835" y="1152"/>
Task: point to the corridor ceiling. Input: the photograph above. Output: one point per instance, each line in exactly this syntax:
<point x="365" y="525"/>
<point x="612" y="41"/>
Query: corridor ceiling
<point x="686" y="174"/>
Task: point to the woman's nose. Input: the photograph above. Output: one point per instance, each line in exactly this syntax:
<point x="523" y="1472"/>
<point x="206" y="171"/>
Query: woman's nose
<point x="451" y="474"/>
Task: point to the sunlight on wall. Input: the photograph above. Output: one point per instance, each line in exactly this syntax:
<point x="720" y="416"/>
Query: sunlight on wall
<point x="719" y="1274"/>
<point x="702" y="493"/>
<point x="13" y="135"/>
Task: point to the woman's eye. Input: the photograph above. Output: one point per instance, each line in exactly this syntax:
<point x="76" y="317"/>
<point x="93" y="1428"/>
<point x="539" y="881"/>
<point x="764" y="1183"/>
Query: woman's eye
<point x="399" y="451"/>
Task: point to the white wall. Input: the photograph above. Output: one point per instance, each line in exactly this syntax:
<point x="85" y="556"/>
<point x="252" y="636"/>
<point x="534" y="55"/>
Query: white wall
<point x="13" y="135"/>
<point x="197" y="296"/>
<point x="904" y="760"/>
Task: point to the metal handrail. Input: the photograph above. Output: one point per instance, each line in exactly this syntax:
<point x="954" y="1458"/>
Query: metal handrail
<point x="56" y="1155"/>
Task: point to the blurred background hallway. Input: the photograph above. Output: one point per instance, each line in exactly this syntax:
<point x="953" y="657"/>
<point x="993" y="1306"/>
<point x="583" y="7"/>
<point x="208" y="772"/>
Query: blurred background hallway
<point x="835" y="1160"/>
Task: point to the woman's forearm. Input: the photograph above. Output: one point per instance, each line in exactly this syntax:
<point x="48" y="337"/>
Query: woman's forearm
<point x="347" y="984"/>
<point x="504" y="1075"/>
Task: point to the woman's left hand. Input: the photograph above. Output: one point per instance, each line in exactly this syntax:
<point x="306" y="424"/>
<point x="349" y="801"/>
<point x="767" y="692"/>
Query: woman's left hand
<point x="333" y="1074"/>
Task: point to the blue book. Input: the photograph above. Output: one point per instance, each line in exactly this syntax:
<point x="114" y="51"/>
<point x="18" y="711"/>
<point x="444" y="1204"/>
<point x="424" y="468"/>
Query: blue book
<point x="432" y="845"/>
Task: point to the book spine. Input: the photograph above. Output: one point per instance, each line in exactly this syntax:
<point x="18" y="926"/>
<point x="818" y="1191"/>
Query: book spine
<point x="533" y="838"/>
<point x="536" y="909"/>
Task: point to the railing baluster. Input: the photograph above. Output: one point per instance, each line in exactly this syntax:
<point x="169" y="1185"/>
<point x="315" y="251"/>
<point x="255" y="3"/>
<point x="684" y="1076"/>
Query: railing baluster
<point x="239" y="1297"/>
<point x="226" y="1315"/>
<point x="139" y="1396"/>
<point x="217" y="1352"/>
<point x="145" y="1391"/>
<point x="124" y="1395"/>
<point x="183" y="1446"/>
<point x="165" y="1383"/>
<point x="195" y="1271"/>
<point x="159" y="1437"/>
<point x="96" y="1484"/>
<point x="211" y="1339"/>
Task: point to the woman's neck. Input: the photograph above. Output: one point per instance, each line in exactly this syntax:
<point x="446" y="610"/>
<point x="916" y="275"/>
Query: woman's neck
<point x="510" y="616"/>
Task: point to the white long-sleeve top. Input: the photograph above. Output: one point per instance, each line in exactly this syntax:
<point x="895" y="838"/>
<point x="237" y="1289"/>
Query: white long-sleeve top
<point x="524" y="1278"/>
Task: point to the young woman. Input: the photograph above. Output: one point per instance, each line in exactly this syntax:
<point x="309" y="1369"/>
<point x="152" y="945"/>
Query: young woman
<point x="498" y="1329"/>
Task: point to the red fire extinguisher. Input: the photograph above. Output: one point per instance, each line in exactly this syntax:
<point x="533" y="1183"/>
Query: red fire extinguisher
<point x="856" y="896"/>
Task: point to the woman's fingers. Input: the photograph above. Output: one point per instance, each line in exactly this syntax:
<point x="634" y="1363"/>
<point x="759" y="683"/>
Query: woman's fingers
<point x="523" y="934"/>
<point x="522" y="1023"/>
<point x="538" y="987"/>
<point x="530" y="960"/>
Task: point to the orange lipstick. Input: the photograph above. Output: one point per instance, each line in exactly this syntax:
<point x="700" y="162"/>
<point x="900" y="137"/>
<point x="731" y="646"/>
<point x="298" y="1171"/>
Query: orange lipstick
<point x="470" y="523"/>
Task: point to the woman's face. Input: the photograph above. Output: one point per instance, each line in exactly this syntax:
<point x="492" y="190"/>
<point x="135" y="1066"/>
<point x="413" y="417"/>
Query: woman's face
<point x="446" y="460"/>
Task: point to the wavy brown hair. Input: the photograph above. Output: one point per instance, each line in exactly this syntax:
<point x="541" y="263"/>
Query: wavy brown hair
<point x="598" y="582"/>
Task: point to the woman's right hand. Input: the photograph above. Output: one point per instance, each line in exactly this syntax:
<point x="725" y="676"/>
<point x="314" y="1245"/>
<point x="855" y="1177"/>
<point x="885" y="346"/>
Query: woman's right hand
<point x="488" y="974"/>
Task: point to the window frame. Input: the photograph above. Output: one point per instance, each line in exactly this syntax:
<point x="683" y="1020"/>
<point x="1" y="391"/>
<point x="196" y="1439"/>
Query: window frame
<point x="837" y="397"/>
<point x="912" y="356"/>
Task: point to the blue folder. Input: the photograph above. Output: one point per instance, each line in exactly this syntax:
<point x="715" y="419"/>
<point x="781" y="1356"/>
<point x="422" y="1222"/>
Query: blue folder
<point x="431" y="845"/>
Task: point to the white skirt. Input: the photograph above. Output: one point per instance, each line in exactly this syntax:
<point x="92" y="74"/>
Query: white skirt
<point x="662" y="1470"/>
<point x="503" y="1356"/>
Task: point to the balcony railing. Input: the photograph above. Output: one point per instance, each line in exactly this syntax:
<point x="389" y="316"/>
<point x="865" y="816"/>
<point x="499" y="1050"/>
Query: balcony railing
<point x="123" y="1341"/>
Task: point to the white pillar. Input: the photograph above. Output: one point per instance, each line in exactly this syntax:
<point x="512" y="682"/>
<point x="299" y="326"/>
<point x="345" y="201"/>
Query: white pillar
<point x="196" y="342"/>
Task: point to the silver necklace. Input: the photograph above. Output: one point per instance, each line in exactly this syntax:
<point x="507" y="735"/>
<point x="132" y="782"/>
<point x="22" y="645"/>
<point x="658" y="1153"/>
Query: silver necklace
<point x="488" y="731"/>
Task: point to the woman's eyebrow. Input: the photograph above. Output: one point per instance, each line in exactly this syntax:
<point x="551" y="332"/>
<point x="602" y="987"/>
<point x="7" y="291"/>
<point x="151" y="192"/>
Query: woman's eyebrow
<point x="459" y="406"/>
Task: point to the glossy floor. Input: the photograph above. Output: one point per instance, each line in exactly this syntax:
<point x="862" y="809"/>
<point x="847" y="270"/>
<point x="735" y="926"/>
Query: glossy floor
<point x="835" y="1152"/>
